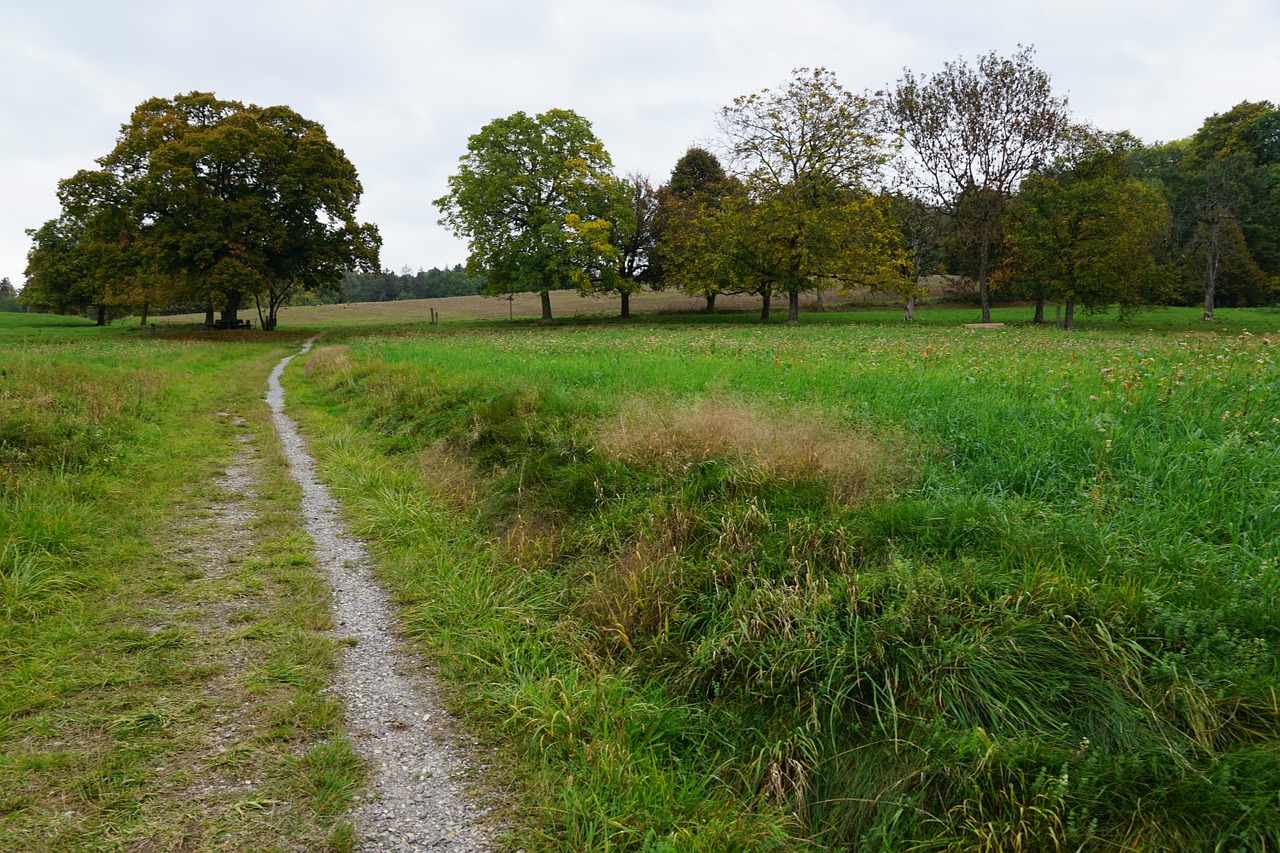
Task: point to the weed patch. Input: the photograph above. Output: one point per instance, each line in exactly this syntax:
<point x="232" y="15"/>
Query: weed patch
<point x="783" y="446"/>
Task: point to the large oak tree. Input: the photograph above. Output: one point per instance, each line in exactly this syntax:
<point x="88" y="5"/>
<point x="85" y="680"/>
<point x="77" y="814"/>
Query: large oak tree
<point x="219" y="202"/>
<point x="534" y="196"/>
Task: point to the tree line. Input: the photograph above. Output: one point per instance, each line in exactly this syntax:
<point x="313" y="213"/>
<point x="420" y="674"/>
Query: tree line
<point x="388" y="286"/>
<point x="977" y="172"/>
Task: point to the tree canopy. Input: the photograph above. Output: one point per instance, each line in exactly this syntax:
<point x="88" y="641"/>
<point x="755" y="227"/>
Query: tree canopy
<point x="1086" y="232"/>
<point x="809" y="154"/>
<point x="1223" y="187"/>
<point x="533" y="196"/>
<point x="973" y="133"/>
<point x="210" y="200"/>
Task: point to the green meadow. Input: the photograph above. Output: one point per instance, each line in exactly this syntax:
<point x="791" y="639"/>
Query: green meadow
<point x="705" y="586"/>
<point x="843" y="586"/>
<point x="160" y="681"/>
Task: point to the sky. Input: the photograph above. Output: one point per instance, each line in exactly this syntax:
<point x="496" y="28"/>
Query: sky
<point x="400" y="86"/>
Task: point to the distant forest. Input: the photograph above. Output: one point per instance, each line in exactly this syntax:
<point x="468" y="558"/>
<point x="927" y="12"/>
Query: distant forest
<point x="389" y="286"/>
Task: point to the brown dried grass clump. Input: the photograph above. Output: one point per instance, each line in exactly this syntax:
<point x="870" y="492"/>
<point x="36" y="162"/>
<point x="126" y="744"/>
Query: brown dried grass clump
<point x="448" y="477"/>
<point x="328" y="360"/>
<point x="785" y="446"/>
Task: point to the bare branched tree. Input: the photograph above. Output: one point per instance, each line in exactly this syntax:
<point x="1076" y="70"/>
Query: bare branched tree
<point x="972" y="134"/>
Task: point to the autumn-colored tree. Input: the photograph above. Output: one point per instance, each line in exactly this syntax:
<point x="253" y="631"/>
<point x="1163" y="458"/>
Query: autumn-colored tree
<point x="972" y="134"/>
<point x="690" y="226"/>
<point x="633" y="219"/>
<point x="533" y="197"/>
<point x="1086" y="231"/>
<point x="808" y="154"/>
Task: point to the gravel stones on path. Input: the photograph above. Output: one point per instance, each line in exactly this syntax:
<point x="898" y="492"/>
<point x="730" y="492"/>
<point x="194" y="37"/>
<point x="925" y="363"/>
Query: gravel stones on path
<point x="419" y="797"/>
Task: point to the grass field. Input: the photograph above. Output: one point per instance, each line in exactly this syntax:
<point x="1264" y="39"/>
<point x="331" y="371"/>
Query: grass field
<point x="710" y="584"/>
<point x="160" y="680"/>
<point x="844" y="586"/>
<point x="570" y="309"/>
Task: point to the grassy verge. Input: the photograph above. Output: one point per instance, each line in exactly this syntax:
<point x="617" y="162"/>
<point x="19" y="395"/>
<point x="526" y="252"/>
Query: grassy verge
<point x="162" y="642"/>
<point x="872" y="588"/>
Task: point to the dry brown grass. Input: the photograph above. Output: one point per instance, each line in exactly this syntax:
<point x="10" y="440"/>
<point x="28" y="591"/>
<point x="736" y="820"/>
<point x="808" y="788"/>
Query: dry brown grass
<point x="630" y="597"/>
<point x="325" y="361"/>
<point x="525" y="306"/>
<point x="785" y="446"/>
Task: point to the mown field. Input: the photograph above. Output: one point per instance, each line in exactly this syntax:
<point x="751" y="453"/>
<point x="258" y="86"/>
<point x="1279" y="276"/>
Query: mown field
<point x="523" y="307"/>
<point x="707" y="584"/>
<point x="874" y="587"/>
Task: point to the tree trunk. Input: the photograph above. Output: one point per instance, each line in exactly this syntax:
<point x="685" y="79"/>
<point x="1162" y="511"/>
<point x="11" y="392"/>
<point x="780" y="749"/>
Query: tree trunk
<point x="232" y="307"/>
<point x="1038" y="319"/>
<point x="208" y="314"/>
<point x="766" y="300"/>
<point x="984" y="293"/>
<point x="910" y="313"/>
<point x="145" y="307"/>
<point x="793" y="308"/>
<point x="711" y="303"/>
<point x="1211" y="253"/>
<point x="546" y="308"/>
<point x="1069" y="316"/>
<point x="102" y="314"/>
<point x="626" y="305"/>
<point x="822" y="305"/>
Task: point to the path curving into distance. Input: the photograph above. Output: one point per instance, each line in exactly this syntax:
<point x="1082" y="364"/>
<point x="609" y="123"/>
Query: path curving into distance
<point x="418" y="798"/>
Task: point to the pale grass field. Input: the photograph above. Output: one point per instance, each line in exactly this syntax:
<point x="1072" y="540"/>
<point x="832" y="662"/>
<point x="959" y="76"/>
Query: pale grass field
<point x="564" y="304"/>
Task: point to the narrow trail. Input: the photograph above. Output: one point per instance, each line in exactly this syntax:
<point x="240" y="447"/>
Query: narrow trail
<point x="419" y="797"/>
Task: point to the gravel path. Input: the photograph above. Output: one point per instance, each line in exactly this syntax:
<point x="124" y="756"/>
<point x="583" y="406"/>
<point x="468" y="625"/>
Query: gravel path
<point x="419" y="797"/>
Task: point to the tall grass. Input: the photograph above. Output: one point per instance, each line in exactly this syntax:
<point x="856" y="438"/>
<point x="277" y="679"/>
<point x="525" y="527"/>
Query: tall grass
<point x="110" y="694"/>
<point x="1045" y="618"/>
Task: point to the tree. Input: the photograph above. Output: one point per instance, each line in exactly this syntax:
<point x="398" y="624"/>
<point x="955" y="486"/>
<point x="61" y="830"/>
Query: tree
<point x="808" y="154"/>
<point x="698" y="176"/>
<point x="973" y="134"/>
<point x="689" y="224"/>
<point x="8" y="296"/>
<point x="64" y="272"/>
<point x="1087" y="231"/>
<point x="1223" y="186"/>
<point x="633" y="219"/>
<point x="924" y="232"/>
<point x="532" y="196"/>
<point x="213" y="200"/>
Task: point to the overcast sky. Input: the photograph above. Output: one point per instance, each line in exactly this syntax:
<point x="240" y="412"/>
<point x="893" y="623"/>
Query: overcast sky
<point x="401" y="85"/>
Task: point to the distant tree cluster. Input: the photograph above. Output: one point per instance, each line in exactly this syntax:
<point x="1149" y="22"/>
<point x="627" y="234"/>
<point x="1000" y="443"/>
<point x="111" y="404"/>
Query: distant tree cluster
<point x="388" y="286"/>
<point x="8" y="296"/>
<point x="977" y="173"/>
